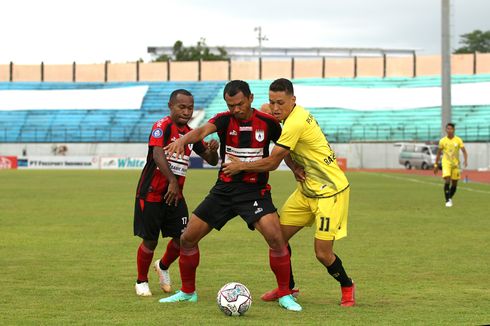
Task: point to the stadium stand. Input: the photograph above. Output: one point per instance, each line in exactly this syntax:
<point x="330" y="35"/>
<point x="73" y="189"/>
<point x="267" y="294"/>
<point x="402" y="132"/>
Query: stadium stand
<point x="339" y="124"/>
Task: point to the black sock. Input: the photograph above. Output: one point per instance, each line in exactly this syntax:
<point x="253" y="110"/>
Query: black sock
<point x="291" y="276"/>
<point x="337" y="271"/>
<point x="162" y="266"/>
<point x="447" y="192"/>
<point x="452" y="191"/>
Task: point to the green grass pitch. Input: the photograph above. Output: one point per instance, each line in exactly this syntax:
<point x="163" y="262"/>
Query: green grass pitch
<point x="67" y="255"/>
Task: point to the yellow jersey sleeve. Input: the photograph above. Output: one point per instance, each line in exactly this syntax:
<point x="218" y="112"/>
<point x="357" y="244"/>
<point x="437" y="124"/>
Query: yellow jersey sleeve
<point x="309" y="148"/>
<point x="291" y="131"/>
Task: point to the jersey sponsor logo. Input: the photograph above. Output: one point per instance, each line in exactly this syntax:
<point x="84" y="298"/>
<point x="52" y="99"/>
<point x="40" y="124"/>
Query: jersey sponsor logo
<point x="157" y="133"/>
<point x="233" y="133"/>
<point x="259" y="210"/>
<point x="178" y="169"/>
<point x="244" y="154"/>
<point x="259" y="135"/>
<point x="245" y="128"/>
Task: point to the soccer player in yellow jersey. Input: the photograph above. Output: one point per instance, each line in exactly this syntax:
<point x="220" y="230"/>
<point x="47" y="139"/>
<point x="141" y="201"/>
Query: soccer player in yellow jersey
<point x="322" y="193"/>
<point x="450" y="146"/>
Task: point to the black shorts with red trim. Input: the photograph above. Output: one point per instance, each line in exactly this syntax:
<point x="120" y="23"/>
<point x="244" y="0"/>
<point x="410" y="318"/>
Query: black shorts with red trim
<point x="153" y="218"/>
<point x="227" y="200"/>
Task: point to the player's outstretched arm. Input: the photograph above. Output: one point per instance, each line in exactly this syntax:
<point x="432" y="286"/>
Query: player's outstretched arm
<point x="269" y="163"/>
<point x="465" y="155"/>
<point x="210" y="155"/>
<point x="298" y="170"/>
<point x="198" y="134"/>
<point x="436" y="163"/>
<point x="171" y="197"/>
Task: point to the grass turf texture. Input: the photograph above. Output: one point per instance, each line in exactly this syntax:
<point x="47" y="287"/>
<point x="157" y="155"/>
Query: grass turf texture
<point x="67" y="255"/>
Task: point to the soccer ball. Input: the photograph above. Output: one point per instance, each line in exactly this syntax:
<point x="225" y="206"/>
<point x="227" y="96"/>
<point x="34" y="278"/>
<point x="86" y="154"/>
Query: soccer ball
<point x="234" y="299"/>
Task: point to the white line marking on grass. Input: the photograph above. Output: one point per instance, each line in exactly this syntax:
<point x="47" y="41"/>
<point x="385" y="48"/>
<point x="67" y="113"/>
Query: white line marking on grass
<point x="388" y="175"/>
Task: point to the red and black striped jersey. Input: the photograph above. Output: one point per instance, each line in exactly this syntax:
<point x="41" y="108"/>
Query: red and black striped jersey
<point x="248" y="140"/>
<point x="152" y="184"/>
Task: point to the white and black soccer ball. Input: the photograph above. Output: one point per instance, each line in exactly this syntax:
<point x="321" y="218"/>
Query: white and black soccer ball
<point x="234" y="299"/>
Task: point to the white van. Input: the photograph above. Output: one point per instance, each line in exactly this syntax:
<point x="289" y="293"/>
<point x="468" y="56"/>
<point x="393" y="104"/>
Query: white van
<point x="419" y="156"/>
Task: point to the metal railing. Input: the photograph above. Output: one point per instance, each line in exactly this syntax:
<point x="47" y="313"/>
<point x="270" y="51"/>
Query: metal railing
<point x="477" y="133"/>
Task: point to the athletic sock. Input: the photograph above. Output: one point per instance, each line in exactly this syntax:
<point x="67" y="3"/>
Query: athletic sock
<point x="188" y="262"/>
<point x="291" y="276"/>
<point x="447" y="192"/>
<point x="143" y="261"/>
<point x="280" y="263"/>
<point x="337" y="271"/>
<point x="452" y="191"/>
<point x="171" y="254"/>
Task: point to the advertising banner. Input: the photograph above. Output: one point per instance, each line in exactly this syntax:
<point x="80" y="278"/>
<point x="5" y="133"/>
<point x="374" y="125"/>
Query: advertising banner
<point x="8" y="162"/>
<point x="119" y="162"/>
<point x="63" y="162"/>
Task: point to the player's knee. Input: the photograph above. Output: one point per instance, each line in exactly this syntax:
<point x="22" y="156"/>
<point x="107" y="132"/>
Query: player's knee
<point x="325" y="257"/>
<point x="150" y="244"/>
<point x="276" y="242"/>
<point x="187" y="241"/>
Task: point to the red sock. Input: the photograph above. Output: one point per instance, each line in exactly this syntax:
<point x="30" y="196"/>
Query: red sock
<point x="280" y="263"/>
<point x="188" y="262"/>
<point x="171" y="253"/>
<point x="143" y="260"/>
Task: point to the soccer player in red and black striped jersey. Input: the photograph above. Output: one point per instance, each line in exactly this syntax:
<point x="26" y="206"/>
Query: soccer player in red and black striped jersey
<point x="160" y="205"/>
<point x="244" y="133"/>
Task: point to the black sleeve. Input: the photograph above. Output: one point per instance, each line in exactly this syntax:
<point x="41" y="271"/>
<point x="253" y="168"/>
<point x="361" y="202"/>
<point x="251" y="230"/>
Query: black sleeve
<point x="275" y="131"/>
<point x="221" y="122"/>
<point x="199" y="148"/>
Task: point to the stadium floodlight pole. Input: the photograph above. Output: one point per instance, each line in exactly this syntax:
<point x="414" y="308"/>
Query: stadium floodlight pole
<point x="260" y="38"/>
<point x="446" y="65"/>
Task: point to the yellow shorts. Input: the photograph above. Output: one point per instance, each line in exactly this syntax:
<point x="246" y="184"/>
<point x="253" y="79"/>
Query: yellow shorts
<point x="451" y="170"/>
<point x="329" y="214"/>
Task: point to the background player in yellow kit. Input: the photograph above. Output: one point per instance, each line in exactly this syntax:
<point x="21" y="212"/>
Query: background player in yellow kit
<point x="321" y="196"/>
<point x="450" y="146"/>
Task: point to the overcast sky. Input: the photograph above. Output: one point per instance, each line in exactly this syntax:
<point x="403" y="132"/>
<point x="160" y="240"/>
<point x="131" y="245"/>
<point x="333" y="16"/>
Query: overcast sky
<point x="92" y="31"/>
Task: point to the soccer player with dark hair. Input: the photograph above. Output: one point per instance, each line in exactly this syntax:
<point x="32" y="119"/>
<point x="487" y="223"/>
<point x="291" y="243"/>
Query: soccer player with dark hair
<point x="322" y="193"/>
<point x="450" y="146"/>
<point x="244" y="133"/>
<point x="160" y="205"/>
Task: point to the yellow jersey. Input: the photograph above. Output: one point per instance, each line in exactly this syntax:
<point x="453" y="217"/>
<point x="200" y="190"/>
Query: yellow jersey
<point x="309" y="148"/>
<point x="450" y="149"/>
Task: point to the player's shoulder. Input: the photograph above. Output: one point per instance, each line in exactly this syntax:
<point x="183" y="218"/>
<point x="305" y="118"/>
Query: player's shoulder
<point x="162" y="123"/>
<point x="223" y="114"/>
<point x="459" y="139"/>
<point x="265" y="117"/>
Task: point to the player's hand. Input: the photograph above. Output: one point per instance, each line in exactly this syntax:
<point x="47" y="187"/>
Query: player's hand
<point x="177" y="148"/>
<point x="172" y="196"/>
<point x="436" y="168"/>
<point x="233" y="167"/>
<point x="299" y="173"/>
<point x="213" y="145"/>
<point x="465" y="164"/>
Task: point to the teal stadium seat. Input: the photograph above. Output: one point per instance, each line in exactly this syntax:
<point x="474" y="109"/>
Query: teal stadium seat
<point x="339" y="125"/>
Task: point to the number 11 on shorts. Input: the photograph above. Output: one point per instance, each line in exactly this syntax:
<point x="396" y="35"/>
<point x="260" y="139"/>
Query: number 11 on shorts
<point x="324" y="223"/>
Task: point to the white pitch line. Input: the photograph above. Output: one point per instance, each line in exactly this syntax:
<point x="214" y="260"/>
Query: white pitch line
<point x="388" y="175"/>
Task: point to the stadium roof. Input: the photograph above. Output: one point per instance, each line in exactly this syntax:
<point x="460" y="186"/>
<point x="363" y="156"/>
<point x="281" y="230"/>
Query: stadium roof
<point x="242" y="52"/>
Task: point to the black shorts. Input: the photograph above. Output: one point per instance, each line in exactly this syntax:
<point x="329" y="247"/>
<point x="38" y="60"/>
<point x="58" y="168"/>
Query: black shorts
<point x="225" y="201"/>
<point x="151" y="218"/>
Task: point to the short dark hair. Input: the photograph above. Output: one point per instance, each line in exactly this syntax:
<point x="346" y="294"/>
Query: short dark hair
<point x="282" y="85"/>
<point x="174" y="94"/>
<point x="450" y="124"/>
<point x="236" y="86"/>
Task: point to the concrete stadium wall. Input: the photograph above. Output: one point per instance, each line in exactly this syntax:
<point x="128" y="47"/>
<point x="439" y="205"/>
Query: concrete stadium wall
<point x="358" y="155"/>
<point x="462" y="64"/>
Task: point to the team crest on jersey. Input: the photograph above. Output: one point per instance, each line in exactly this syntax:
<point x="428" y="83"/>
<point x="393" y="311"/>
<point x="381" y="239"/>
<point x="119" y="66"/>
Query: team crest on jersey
<point x="259" y="135"/>
<point x="157" y="133"/>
